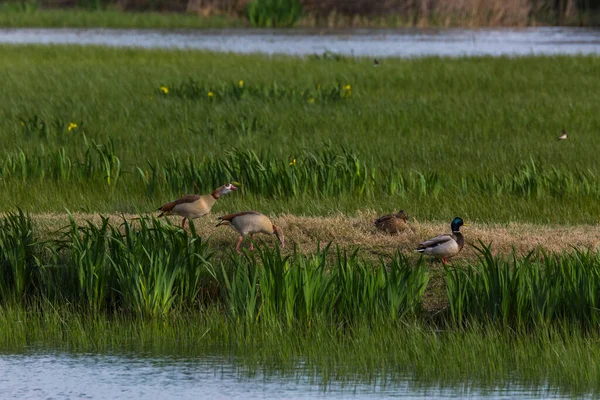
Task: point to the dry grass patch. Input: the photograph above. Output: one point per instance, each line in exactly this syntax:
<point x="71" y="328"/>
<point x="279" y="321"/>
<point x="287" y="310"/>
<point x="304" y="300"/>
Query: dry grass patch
<point x="358" y="231"/>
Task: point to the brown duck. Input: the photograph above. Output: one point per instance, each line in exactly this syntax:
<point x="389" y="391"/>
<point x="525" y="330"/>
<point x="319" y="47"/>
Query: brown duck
<point x="193" y="206"/>
<point x="392" y="223"/>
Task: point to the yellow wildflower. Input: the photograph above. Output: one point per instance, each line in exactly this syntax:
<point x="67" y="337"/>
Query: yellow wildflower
<point x="211" y="94"/>
<point x="311" y="100"/>
<point x="164" y="89"/>
<point x="241" y="84"/>
<point x="293" y="163"/>
<point x="72" y="125"/>
<point x="348" y="88"/>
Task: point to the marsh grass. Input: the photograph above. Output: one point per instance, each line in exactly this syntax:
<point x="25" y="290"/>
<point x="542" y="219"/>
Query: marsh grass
<point x="393" y="136"/>
<point x="150" y="269"/>
<point x="561" y="359"/>
<point x="530" y="291"/>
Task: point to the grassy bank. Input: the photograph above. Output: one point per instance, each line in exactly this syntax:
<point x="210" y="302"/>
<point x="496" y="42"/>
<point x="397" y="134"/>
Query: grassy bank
<point x="146" y="268"/>
<point x="90" y="129"/>
<point x="141" y="286"/>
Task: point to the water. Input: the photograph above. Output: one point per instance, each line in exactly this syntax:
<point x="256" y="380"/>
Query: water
<point x="92" y="376"/>
<point x="377" y="43"/>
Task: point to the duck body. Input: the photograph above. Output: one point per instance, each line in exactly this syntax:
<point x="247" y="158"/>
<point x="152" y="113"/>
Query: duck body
<point x="193" y="206"/>
<point x="392" y="223"/>
<point x="445" y="246"/>
<point x="249" y="223"/>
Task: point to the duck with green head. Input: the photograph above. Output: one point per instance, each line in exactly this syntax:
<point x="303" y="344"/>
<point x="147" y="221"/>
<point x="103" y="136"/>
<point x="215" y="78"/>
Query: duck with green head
<point x="445" y="246"/>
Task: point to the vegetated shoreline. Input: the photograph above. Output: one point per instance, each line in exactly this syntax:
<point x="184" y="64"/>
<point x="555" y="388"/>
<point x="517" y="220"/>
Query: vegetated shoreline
<point x="560" y="359"/>
<point x="139" y="285"/>
<point x="303" y="14"/>
<point x="462" y="16"/>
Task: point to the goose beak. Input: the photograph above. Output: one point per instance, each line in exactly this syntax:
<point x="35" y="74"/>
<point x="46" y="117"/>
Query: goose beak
<point x="233" y="188"/>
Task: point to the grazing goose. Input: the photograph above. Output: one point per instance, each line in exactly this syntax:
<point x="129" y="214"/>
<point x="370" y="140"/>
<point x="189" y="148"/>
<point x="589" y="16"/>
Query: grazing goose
<point x="392" y="223"/>
<point x="249" y="223"/>
<point x="563" y="136"/>
<point x="193" y="206"/>
<point x="445" y="246"/>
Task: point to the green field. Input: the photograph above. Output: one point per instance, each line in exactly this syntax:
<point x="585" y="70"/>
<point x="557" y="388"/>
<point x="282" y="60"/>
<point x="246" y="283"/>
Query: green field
<point x="439" y="137"/>
<point x="121" y="131"/>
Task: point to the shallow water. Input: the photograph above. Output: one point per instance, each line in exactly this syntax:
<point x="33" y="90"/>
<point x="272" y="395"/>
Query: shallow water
<point x="377" y="43"/>
<point x="91" y="376"/>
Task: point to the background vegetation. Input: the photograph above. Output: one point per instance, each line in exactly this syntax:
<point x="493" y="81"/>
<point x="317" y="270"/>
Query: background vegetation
<point x="122" y="130"/>
<point x="307" y="13"/>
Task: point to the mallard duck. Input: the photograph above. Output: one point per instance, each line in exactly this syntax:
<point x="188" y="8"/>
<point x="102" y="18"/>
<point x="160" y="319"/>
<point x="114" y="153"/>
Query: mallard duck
<point x="563" y="136"/>
<point x="193" y="206"/>
<point x="249" y="223"/>
<point x="445" y="246"/>
<point x="392" y="223"/>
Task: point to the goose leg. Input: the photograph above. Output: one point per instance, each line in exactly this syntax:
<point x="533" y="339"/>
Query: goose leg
<point x="251" y="244"/>
<point x="237" y="248"/>
<point x="444" y="260"/>
<point x="183" y="223"/>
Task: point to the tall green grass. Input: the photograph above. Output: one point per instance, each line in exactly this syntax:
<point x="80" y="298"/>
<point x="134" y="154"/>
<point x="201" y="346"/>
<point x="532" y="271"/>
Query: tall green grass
<point x="309" y="289"/>
<point x="274" y="13"/>
<point x="150" y="269"/>
<point x="530" y="291"/>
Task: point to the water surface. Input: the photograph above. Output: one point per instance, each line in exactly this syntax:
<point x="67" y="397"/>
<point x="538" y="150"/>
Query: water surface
<point x="92" y="376"/>
<point x="377" y="43"/>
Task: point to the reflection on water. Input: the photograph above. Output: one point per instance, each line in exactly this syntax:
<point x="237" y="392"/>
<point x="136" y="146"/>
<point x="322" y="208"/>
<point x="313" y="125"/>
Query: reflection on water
<point x="380" y="43"/>
<point x="64" y="376"/>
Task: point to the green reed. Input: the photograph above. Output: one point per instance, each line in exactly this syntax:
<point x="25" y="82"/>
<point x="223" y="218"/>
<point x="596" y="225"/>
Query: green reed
<point x="534" y="290"/>
<point x="327" y="173"/>
<point x="321" y="286"/>
<point x="18" y="256"/>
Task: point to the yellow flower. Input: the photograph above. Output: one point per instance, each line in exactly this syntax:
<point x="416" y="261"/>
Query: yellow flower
<point x="72" y="125"/>
<point x="311" y="100"/>
<point x="293" y="163"/>
<point x="348" y="88"/>
<point x="211" y="94"/>
<point x="164" y="89"/>
<point x="241" y="84"/>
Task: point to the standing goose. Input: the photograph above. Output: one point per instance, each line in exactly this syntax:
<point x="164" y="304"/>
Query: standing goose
<point x="193" y="206"/>
<point x="392" y="223"/>
<point x="445" y="246"/>
<point x="249" y="223"/>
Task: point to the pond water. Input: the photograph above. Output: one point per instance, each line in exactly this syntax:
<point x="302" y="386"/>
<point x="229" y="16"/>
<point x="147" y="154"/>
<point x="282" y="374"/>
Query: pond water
<point x="377" y="43"/>
<point x="92" y="376"/>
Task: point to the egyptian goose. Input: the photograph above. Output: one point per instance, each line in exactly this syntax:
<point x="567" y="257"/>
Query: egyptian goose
<point x="193" y="206"/>
<point x="392" y="223"/>
<point x="249" y="223"/>
<point x="445" y="246"/>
